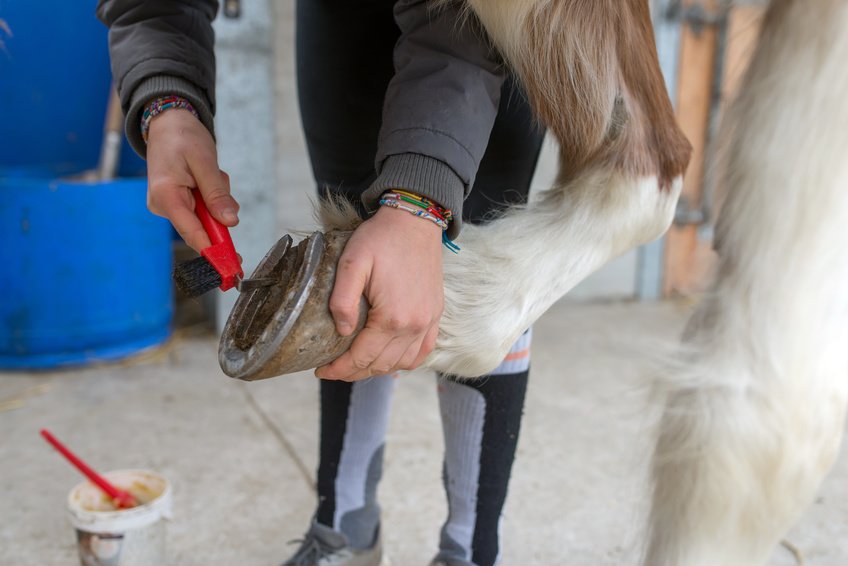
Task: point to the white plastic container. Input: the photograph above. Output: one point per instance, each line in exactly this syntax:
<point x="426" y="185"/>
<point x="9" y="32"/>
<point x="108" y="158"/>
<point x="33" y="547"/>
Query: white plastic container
<point x="122" y="537"/>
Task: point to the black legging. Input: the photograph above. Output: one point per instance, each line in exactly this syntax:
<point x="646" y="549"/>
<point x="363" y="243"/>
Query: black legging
<point x="344" y="64"/>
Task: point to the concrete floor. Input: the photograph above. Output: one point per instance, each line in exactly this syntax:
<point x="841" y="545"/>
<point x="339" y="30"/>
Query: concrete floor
<point x="241" y="455"/>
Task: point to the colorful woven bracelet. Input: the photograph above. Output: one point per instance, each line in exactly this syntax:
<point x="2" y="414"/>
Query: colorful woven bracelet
<point x="420" y="202"/>
<point x="159" y="105"/>
<point x="416" y="211"/>
<point x="417" y="205"/>
<point x="423" y="208"/>
<point x="423" y="202"/>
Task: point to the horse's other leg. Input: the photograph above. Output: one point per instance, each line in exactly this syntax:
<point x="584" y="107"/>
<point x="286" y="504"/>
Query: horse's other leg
<point x="756" y="400"/>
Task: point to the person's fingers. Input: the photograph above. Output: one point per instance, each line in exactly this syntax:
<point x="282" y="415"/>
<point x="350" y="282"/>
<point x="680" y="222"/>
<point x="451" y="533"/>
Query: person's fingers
<point x="366" y="347"/>
<point x="225" y="177"/>
<point x="397" y="333"/>
<point x="377" y="263"/>
<point x="427" y="346"/>
<point x="399" y="354"/>
<point x="177" y="205"/>
<point x="388" y="359"/>
<point x="214" y="185"/>
<point x="181" y="156"/>
<point x="407" y="360"/>
<point x="351" y="278"/>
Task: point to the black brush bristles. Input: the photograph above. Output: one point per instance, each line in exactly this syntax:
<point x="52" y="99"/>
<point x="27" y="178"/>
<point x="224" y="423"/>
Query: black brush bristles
<point x="196" y="277"/>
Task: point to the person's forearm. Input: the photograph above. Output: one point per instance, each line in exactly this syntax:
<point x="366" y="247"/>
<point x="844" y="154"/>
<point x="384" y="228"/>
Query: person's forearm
<point x="159" y="48"/>
<point x="439" y="107"/>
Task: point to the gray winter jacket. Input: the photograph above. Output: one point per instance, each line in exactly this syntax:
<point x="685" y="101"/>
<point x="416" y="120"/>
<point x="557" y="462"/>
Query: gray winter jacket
<point x="437" y="115"/>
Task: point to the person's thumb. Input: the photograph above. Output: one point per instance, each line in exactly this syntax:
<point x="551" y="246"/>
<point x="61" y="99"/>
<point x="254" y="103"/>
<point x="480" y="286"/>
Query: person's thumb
<point x="214" y="185"/>
<point x="352" y="275"/>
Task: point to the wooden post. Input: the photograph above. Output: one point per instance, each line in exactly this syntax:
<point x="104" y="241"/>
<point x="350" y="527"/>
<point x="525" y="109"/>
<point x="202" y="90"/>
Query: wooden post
<point x="698" y="47"/>
<point x="689" y="257"/>
<point x="742" y="33"/>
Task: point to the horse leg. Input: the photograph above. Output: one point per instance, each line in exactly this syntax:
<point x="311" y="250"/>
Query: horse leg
<point x="756" y="399"/>
<point x="590" y="71"/>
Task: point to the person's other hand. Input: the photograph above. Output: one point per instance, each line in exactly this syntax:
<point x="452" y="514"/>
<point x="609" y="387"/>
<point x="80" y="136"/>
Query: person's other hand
<point x="181" y="156"/>
<point x="395" y="260"/>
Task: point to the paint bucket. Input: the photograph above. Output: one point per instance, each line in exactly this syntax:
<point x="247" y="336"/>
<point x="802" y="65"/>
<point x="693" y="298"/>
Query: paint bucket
<point x="122" y="537"/>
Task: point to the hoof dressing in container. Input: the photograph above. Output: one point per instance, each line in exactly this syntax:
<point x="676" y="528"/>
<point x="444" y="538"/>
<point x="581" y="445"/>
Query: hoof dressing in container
<point x="107" y="536"/>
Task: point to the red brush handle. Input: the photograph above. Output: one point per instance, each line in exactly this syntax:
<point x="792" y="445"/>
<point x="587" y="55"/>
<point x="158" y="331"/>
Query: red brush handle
<point x="222" y="253"/>
<point x="121" y="498"/>
<point x="217" y="232"/>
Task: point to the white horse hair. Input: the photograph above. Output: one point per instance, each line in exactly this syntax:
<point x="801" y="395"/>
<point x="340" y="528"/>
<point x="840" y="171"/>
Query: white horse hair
<point x="755" y="397"/>
<point x="756" y="402"/>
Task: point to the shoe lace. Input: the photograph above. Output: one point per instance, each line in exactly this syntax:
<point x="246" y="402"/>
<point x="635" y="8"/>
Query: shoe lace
<point x="311" y="551"/>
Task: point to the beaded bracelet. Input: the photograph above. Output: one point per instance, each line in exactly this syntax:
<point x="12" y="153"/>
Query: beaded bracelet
<point x="423" y="208"/>
<point x="159" y="105"/>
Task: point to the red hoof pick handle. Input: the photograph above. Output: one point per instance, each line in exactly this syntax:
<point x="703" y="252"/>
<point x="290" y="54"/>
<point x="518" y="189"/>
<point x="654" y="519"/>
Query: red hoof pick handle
<point x="221" y="254"/>
<point x="218" y="264"/>
<point x="122" y="499"/>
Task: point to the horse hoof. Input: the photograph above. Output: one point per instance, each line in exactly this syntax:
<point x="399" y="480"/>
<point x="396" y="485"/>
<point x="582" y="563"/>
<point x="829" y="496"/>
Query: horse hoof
<point x="287" y="327"/>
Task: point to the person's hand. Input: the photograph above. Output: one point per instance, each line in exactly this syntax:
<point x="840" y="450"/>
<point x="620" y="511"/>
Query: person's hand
<point x="395" y="259"/>
<point x="181" y="156"/>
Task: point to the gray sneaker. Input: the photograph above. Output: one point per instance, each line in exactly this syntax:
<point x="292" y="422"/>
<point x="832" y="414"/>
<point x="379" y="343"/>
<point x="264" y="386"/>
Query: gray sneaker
<point x="322" y="546"/>
<point x="449" y="561"/>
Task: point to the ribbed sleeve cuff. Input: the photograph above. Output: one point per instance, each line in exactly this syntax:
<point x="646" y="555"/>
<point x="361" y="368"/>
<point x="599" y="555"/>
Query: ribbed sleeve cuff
<point x="423" y="175"/>
<point x="163" y="85"/>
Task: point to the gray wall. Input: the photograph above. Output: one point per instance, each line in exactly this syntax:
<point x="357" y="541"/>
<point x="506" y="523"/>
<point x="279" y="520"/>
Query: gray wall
<point x="245" y="133"/>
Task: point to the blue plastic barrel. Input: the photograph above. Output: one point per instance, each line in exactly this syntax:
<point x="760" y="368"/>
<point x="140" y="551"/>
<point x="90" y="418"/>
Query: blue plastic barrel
<point x="54" y="86"/>
<point x="84" y="271"/>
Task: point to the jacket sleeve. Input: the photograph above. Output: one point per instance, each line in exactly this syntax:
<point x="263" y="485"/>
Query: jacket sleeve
<point x="157" y="48"/>
<point x="439" y="107"/>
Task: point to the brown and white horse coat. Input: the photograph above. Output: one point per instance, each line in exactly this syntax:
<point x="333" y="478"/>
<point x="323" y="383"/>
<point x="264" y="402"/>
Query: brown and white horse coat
<point x="756" y="396"/>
